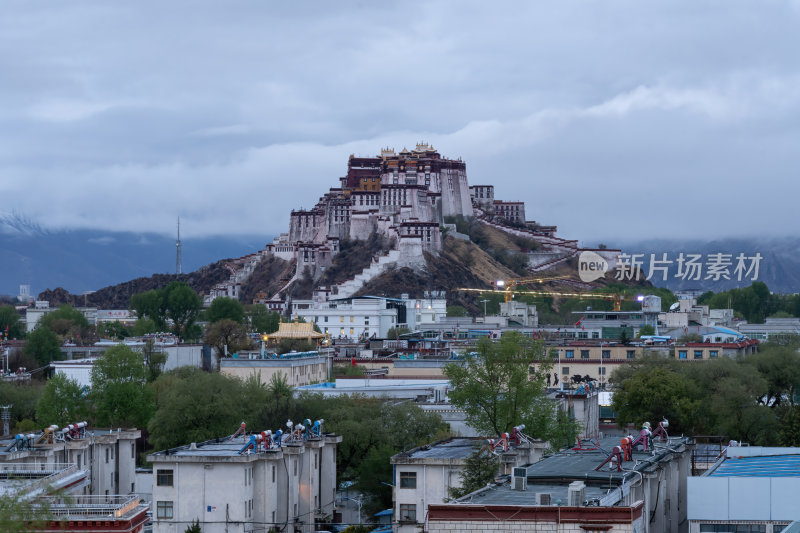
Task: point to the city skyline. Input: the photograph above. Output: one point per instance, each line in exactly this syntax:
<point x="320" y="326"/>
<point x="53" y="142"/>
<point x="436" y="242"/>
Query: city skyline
<point x="609" y="120"/>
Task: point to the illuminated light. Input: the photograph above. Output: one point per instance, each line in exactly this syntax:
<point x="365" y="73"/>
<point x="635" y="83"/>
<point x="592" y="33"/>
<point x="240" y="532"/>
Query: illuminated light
<point x="501" y="283"/>
<point x="639" y="298"/>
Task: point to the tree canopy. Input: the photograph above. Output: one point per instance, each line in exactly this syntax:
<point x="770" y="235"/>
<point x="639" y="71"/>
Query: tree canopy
<point x="42" y="344"/>
<point x="176" y="302"/>
<point x="751" y="398"/>
<point x="225" y="308"/>
<point x="63" y="402"/>
<point x="499" y="388"/>
<point x="119" y="392"/>
<point x="10" y="324"/>
<point x="226" y="334"/>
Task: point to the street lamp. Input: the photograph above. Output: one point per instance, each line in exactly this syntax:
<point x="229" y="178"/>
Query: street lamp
<point x="484" y="307"/>
<point x="359" y="506"/>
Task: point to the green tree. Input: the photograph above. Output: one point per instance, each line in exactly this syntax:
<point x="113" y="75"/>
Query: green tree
<point x="150" y="305"/>
<point x="262" y="320"/>
<point x="499" y="389"/>
<point x="654" y="392"/>
<point x="23" y="400"/>
<point x="143" y="326"/>
<point x="64" y="401"/>
<point x="64" y="319"/>
<point x="19" y="514"/>
<point x="194" y="527"/>
<point x="480" y="469"/>
<point x="42" y="344"/>
<point x="194" y="406"/>
<point x="228" y="308"/>
<point x="182" y="305"/>
<point x="10" y="323"/>
<point x="647" y="329"/>
<point x="227" y="337"/>
<point x="114" y="330"/>
<point x="119" y="392"/>
<point x="154" y="359"/>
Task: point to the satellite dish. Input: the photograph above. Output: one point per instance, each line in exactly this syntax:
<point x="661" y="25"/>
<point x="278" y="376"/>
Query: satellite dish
<point x="674" y="306"/>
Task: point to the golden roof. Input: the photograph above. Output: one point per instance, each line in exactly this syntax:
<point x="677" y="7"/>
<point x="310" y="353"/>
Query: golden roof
<point x="296" y="330"/>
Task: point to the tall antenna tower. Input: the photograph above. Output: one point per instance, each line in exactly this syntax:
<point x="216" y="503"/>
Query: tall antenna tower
<point x="178" y="256"/>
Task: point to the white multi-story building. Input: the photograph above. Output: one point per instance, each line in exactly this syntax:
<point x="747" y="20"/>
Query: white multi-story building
<point x="231" y="488"/>
<point x="426" y="474"/>
<point x="298" y="369"/>
<point x="752" y="488"/>
<point x="42" y="307"/>
<point x="370" y="316"/>
<point x="109" y="454"/>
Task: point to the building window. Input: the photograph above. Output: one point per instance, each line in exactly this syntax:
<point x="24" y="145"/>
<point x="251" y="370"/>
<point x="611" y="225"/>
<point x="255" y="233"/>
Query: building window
<point x="408" y="480"/>
<point x="164" y="478"/>
<point x="565" y="370"/>
<point x="570" y="354"/>
<point x="273" y="473"/>
<point x="106" y="455"/>
<point x="531" y="371"/>
<point x="735" y="528"/>
<point x="595" y="334"/>
<point x="164" y="510"/>
<point x="631" y="354"/>
<point x="698" y="354"/>
<point x="133" y="450"/>
<point x="408" y="512"/>
<point x="602" y="370"/>
<point x="682" y="354"/>
<point x="712" y="354"/>
<point x="584" y="354"/>
<point x="606" y="354"/>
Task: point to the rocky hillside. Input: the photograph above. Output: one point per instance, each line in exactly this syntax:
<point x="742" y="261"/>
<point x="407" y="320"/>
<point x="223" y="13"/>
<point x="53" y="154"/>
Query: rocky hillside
<point x="119" y="296"/>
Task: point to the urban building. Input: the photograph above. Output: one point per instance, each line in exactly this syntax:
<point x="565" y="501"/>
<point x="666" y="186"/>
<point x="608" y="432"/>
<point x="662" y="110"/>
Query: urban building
<point x="371" y="316"/>
<point x="298" y="369"/>
<point x="42" y="307"/>
<point x="424" y="476"/>
<point x="703" y="351"/>
<point x="80" y="359"/>
<point x="109" y="455"/>
<point x="56" y="490"/>
<point x="750" y="489"/>
<point x="247" y="482"/>
<point x="772" y="330"/>
<point x="596" y="486"/>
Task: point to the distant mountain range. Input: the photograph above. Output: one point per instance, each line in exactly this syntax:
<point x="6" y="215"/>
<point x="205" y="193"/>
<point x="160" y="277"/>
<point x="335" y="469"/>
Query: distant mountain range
<point x="87" y="260"/>
<point x="779" y="267"/>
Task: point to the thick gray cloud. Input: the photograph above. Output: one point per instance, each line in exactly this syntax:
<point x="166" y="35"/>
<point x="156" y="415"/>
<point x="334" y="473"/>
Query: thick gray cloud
<point x="611" y="119"/>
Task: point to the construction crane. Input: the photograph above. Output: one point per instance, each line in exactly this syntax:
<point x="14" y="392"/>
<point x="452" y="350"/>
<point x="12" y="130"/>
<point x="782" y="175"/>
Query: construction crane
<point x="507" y="290"/>
<point x="508" y="285"/>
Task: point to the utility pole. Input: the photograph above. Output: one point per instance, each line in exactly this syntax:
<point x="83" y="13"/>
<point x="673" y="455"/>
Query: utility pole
<point x="178" y="255"/>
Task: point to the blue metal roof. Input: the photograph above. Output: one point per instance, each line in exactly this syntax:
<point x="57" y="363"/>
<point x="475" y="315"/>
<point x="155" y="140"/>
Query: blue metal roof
<point x="761" y="466"/>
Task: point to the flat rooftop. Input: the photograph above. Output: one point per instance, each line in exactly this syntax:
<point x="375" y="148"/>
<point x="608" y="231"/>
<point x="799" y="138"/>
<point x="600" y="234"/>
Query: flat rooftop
<point x="761" y="466"/>
<point x="455" y="448"/>
<point x="554" y="473"/>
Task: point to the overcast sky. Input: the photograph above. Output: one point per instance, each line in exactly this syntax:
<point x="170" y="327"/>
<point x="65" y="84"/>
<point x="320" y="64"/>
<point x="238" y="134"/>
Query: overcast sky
<point x="613" y="120"/>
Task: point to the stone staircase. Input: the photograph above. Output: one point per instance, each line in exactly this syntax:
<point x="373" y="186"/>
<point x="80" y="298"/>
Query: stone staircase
<point x="348" y="288"/>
